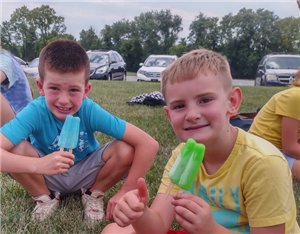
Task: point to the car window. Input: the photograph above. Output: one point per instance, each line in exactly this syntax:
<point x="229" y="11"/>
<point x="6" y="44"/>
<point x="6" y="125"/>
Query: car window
<point x="158" y="62"/>
<point x="115" y="58"/>
<point x="34" y="63"/>
<point x="119" y="56"/>
<point x="283" y="63"/>
<point x="98" y="58"/>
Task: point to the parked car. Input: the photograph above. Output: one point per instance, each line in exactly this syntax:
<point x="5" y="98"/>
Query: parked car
<point x="106" y="65"/>
<point x="277" y="69"/>
<point x="32" y="69"/>
<point x="21" y="62"/>
<point x="152" y="67"/>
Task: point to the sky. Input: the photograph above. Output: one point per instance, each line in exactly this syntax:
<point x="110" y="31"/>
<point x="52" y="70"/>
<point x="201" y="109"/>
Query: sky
<point x="82" y="14"/>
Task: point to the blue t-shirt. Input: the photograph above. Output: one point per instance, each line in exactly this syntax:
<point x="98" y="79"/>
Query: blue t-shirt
<point x="17" y="92"/>
<point x="38" y="122"/>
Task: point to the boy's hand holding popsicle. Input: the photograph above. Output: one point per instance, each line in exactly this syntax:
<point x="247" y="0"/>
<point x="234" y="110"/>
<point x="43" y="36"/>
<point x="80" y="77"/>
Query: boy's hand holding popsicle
<point x="55" y="163"/>
<point x="60" y="162"/>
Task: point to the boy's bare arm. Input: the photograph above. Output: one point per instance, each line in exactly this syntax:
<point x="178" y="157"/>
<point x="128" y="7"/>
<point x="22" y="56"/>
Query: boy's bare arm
<point x="289" y="136"/>
<point x="145" y="149"/>
<point x="55" y="163"/>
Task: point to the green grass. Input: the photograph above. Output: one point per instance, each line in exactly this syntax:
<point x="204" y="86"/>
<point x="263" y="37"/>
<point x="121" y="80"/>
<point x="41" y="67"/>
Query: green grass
<point x="17" y="204"/>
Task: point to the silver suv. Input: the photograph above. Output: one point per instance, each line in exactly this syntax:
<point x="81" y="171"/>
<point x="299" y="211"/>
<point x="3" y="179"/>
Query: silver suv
<point x="150" y="70"/>
<point x="277" y="69"/>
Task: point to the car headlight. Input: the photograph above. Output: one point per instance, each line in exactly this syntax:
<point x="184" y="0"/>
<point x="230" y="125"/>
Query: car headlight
<point x="142" y="72"/>
<point x="101" y="70"/>
<point x="271" y="77"/>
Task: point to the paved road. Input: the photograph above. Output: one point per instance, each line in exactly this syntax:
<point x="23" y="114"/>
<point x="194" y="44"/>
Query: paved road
<point x="235" y="82"/>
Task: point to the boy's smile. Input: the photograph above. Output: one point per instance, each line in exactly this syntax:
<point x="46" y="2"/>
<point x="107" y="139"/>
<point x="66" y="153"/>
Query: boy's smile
<point x="64" y="92"/>
<point x="198" y="108"/>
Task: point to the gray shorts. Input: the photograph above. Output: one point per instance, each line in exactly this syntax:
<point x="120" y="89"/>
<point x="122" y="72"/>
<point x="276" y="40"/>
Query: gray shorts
<point x="81" y="175"/>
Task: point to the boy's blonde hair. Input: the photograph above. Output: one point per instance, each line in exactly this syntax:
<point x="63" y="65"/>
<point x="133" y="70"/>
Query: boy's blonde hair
<point x="189" y="65"/>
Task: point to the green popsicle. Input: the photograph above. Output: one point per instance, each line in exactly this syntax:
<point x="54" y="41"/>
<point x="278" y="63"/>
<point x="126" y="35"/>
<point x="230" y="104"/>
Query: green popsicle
<point x="186" y="166"/>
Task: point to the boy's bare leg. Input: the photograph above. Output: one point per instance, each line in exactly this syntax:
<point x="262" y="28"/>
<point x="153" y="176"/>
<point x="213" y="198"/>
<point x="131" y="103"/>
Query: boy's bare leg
<point x="114" y="228"/>
<point x="296" y="170"/>
<point x="118" y="157"/>
<point x="34" y="184"/>
<point x="7" y="113"/>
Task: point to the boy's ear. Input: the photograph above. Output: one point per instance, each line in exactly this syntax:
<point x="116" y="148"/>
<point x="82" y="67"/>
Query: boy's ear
<point x="235" y="99"/>
<point x="40" y="86"/>
<point x="167" y="113"/>
<point x="86" y="90"/>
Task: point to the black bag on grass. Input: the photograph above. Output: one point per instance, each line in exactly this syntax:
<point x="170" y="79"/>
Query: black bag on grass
<point x="150" y="99"/>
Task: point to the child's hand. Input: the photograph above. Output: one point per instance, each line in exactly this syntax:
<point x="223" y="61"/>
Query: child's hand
<point x="131" y="206"/>
<point x="193" y="213"/>
<point x="55" y="163"/>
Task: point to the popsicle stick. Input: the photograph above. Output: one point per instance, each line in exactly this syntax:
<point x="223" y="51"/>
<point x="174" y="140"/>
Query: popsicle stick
<point x="61" y="148"/>
<point x="70" y="150"/>
<point x="181" y="190"/>
<point x="168" y="190"/>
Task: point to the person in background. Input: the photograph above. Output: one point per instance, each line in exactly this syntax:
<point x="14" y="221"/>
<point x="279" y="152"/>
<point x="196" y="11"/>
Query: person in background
<point x="279" y="122"/>
<point x="15" y="88"/>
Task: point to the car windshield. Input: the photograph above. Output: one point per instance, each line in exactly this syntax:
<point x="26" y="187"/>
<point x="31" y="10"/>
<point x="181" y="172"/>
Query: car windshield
<point x="158" y="62"/>
<point x="34" y="63"/>
<point x="98" y="58"/>
<point x="283" y="63"/>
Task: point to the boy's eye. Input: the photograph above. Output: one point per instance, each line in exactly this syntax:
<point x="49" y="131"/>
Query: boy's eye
<point x="54" y="88"/>
<point x="178" y="106"/>
<point x="205" y="100"/>
<point x="74" y="90"/>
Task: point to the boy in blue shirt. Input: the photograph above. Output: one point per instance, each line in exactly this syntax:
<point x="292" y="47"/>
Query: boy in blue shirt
<point x="63" y="85"/>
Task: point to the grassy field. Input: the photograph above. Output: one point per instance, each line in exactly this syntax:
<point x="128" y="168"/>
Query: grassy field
<point x="17" y="204"/>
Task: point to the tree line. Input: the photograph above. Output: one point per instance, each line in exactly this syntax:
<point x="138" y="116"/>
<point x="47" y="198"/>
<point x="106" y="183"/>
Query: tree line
<point x="243" y="38"/>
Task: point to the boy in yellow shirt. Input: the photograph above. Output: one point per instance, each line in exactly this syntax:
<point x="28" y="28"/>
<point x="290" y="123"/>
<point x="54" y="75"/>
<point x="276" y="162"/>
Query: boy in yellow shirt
<point x="244" y="183"/>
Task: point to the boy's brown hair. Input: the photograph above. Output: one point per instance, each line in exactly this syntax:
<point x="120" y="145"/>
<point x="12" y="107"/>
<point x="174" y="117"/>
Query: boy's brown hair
<point x="189" y="65"/>
<point x="64" y="56"/>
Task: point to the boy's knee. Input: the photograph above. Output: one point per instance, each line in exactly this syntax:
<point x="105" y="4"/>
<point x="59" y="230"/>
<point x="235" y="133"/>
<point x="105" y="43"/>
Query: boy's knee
<point x="124" y="153"/>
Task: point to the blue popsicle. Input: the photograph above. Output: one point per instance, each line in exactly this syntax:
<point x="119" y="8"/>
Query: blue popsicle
<point x="69" y="133"/>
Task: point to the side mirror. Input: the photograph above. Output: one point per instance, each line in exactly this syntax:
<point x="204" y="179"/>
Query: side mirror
<point x="260" y="66"/>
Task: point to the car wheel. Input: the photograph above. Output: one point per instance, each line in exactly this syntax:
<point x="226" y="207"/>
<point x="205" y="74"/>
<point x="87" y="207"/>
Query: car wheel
<point x="124" y="76"/>
<point x="110" y="76"/>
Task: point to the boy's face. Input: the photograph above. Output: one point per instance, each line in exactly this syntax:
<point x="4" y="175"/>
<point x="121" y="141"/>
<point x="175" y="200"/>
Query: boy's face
<point x="199" y="108"/>
<point x="63" y="92"/>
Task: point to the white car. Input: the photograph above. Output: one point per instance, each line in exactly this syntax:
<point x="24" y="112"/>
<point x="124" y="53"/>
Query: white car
<point x="22" y="63"/>
<point x="32" y="69"/>
<point x="153" y="66"/>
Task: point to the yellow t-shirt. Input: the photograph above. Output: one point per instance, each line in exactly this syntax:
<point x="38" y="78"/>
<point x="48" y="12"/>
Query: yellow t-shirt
<point x="267" y="123"/>
<point x="252" y="188"/>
